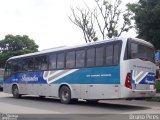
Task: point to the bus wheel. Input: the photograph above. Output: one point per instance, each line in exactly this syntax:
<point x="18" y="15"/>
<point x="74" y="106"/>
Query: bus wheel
<point x="65" y="95"/>
<point x="15" y="91"/>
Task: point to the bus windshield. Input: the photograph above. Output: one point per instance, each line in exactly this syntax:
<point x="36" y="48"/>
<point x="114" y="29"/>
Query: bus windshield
<point x="141" y="51"/>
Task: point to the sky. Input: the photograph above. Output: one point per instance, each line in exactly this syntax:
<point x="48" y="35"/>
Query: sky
<point x="44" y="21"/>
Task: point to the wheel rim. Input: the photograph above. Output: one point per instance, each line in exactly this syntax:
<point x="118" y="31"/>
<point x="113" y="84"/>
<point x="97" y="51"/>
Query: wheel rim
<point x="65" y="95"/>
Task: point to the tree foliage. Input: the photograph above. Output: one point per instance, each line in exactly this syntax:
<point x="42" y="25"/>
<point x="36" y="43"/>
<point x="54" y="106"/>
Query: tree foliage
<point x="106" y="20"/>
<point x="15" y="45"/>
<point x="147" y="20"/>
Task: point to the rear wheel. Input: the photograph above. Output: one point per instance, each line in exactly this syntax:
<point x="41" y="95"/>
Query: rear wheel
<point x="15" y="91"/>
<point x="65" y="95"/>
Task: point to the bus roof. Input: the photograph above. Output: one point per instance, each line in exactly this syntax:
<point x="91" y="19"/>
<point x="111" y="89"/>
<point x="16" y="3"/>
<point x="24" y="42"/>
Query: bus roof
<point x="79" y="46"/>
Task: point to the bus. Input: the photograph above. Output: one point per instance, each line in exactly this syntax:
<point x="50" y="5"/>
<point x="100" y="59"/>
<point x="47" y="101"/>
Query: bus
<point x="119" y="68"/>
<point x="1" y="78"/>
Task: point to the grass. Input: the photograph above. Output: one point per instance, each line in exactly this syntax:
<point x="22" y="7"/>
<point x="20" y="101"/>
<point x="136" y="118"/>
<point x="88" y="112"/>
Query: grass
<point x="158" y="85"/>
<point x="156" y="98"/>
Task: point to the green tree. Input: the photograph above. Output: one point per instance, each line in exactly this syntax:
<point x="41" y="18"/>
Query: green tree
<point x="147" y="20"/>
<point x="15" y="45"/>
<point x="106" y="20"/>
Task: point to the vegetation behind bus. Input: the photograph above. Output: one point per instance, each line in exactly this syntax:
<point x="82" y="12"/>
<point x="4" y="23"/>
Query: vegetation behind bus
<point x="103" y="21"/>
<point x="15" y="45"/>
<point x="147" y="20"/>
<point x="158" y="85"/>
<point x="157" y="97"/>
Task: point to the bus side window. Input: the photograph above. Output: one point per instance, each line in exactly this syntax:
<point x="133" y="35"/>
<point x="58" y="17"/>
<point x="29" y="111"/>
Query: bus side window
<point x="20" y="65"/>
<point x="90" y="57"/>
<point x="70" y="59"/>
<point x="116" y="54"/>
<point x="24" y="65"/>
<point x="44" y="63"/>
<point x="109" y="55"/>
<point x="60" y="61"/>
<point x="41" y="63"/>
<point x="80" y="58"/>
<point x="99" y="56"/>
<point x="14" y="66"/>
<point x="37" y="65"/>
<point x="30" y="64"/>
<point x="52" y="61"/>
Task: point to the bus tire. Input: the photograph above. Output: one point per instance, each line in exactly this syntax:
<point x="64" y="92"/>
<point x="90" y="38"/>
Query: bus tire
<point x="15" y="91"/>
<point x="65" y="95"/>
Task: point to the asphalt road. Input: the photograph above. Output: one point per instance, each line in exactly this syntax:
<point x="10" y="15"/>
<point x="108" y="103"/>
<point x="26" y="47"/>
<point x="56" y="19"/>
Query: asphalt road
<point x="29" y="107"/>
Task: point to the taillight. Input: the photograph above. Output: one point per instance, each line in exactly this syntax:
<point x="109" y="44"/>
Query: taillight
<point x="128" y="81"/>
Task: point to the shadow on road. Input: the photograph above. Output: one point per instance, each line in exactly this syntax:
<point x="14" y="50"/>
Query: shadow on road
<point x="45" y="103"/>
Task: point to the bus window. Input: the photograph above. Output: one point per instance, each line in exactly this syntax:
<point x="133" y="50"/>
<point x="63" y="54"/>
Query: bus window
<point x="80" y="58"/>
<point x="24" y="64"/>
<point x="20" y="65"/>
<point x="14" y="66"/>
<point x="99" y="56"/>
<point x="141" y="51"/>
<point x="134" y="50"/>
<point x="60" y="61"/>
<point x="90" y="57"/>
<point x="52" y="61"/>
<point x="70" y="59"/>
<point x="44" y="64"/>
<point x="109" y="55"/>
<point x="116" y="54"/>
<point x="37" y="63"/>
<point x="41" y="63"/>
<point x="30" y="64"/>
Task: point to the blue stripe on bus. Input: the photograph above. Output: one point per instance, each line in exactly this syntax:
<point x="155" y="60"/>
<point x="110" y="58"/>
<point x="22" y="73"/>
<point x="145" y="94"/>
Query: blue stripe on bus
<point x="110" y="75"/>
<point x="149" y="78"/>
<point x="99" y="75"/>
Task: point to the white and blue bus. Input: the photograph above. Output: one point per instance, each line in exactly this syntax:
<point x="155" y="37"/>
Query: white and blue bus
<point x="120" y="68"/>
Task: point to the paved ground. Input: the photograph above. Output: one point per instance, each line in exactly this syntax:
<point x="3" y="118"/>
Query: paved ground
<point x="42" y="107"/>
